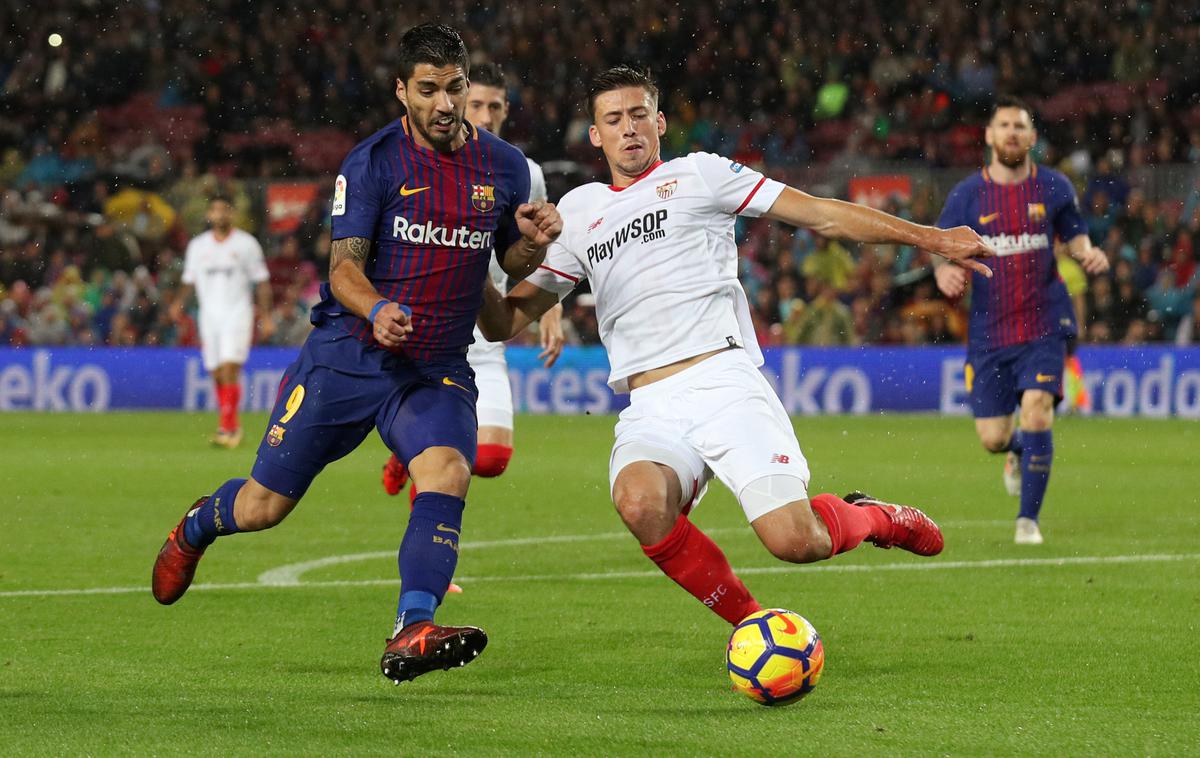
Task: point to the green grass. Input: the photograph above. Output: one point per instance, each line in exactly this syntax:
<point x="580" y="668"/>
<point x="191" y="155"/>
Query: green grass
<point x="1075" y="659"/>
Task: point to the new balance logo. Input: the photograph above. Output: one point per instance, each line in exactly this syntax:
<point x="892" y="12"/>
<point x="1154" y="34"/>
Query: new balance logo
<point x="780" y="458"/>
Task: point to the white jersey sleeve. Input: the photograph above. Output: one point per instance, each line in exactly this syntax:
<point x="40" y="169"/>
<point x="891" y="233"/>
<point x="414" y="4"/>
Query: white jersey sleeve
<point x="254" y="263"/>
<point x="560" y="272"/>
<point x="736" y="188"/>
<point x="190" y="263"/>
<point x="537" y="183"/>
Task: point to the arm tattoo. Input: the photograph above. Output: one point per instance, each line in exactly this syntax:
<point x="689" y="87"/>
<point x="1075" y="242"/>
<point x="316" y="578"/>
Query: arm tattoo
<point x="353" y="249"/>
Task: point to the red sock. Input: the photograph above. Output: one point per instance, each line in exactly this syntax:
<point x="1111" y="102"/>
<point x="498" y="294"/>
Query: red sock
<point x="235" y="400"/>
<point x="849" y="524"/>
<point x="695" y="562"/>
<point x="222" y="406"/>
<point x="491" y="460"/>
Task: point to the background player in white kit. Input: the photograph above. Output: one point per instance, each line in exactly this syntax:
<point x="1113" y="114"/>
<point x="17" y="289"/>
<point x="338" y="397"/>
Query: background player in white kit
<point x="223" y="265"/>
<point x="487" y="108"/>
<point x="658" y="247"/>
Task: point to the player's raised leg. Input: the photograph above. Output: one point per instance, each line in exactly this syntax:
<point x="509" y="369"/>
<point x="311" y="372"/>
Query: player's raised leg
<point x="238" y="505"/>
<point x="653" y="504"/>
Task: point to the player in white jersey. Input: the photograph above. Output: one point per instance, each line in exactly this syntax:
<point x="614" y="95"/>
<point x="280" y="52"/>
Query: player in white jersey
<point x="223" y="265"/>
<point x="487" y="108"/>
<point x="657" y="246"/>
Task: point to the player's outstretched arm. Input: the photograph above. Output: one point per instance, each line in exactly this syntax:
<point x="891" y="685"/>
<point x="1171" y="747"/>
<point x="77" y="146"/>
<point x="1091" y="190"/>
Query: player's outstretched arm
<point x="352" y="288"/>
<point x="837" y="218"/>
<point x="504" y="317"/>
<point x="539" y="224"/>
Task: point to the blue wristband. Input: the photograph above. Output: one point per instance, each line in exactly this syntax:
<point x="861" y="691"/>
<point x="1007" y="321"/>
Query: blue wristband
<point x="376" y="309"/>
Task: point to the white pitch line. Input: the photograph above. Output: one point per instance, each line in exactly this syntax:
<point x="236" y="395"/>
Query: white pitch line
<point x="289" y="575"/>
<point x="1084" y="560"/>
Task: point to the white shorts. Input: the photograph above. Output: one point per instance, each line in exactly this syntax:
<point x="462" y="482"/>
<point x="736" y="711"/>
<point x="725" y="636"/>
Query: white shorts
<point x="495" y="405"/>
<point x="226" y="341"/>
<point x="720" y="417"/>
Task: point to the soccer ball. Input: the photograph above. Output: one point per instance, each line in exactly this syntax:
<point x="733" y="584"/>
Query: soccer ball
<point x="775" y="657"/>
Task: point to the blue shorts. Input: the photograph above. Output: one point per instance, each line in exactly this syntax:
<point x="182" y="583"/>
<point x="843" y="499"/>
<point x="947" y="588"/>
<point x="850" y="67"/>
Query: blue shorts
<point x="340" y="388"/>
<point x="996" y="378"/>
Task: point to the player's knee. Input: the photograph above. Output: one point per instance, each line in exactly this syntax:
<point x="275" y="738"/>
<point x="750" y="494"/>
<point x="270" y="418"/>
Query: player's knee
<point x="640" y="504"/>
<point x="995" y="441"/>
<point x="441" y="469"/>
<point x="1038" y="415"/>
<point x="492" y="460"/>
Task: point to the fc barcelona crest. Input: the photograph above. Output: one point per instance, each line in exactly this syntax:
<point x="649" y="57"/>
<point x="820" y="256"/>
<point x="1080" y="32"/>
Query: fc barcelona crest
<point x="1037" y="211"/>
<point x="275" y="436"/>
<point x="483" y="197"/>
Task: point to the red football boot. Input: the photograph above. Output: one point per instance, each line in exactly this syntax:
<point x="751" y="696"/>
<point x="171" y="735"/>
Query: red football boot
<point x="395" y="476"/>
<point x="176" y="563"/>
<point x="424" y="646"/>
<point x="912" y="530"/>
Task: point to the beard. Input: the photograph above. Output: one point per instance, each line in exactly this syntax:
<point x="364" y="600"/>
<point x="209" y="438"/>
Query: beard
<point x="439" y="141"/>
<point x="1011" y="157"/>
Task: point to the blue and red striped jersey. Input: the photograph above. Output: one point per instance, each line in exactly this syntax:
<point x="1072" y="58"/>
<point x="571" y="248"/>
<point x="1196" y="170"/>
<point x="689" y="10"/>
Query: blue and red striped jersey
<point x="433" y="219"/>
<point x="1025" y="299"/>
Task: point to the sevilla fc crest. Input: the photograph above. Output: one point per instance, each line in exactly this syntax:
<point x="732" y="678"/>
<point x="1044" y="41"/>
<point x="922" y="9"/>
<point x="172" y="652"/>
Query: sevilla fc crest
<point x="483" y="197"/>
<point x="666" y="189"/>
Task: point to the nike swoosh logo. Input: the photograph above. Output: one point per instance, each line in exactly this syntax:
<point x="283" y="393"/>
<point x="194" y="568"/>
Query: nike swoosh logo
<point x="983" y="220"/>
<point x="789" y="627"/>
<point x="405" y="191"/>
<point x="449" y="381"/>
<point x="444" y="528"/>
<point x="1045" y="377"/>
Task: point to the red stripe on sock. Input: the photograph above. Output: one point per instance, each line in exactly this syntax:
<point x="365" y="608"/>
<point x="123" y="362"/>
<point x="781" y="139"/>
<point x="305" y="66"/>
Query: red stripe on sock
<point x="695" y="563"/>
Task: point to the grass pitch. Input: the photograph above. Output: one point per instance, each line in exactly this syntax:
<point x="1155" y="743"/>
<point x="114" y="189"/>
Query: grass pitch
<point x="1083" y="646"/>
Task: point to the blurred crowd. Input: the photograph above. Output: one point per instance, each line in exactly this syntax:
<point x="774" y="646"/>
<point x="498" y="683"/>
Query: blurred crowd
<point x="809" y="289"/>
<point x="120" y="119"/>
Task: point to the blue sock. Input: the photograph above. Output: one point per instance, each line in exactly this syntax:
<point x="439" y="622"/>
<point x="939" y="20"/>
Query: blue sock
<point x="428" y="555"/>
<point x="1016" y="443"/>
<point x="1036" y="458"/>
<point x="214" y="518"/>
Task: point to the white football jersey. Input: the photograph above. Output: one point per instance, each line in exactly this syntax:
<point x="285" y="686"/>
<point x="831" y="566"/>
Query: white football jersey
<point x="662" y="261"/>
<point x="537" y="193"/>
<point x="224" y="273"/>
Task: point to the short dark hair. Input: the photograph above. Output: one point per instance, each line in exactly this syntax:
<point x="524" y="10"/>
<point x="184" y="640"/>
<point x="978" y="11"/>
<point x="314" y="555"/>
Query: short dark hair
<point x="489" y="75"/>
<point x="616" y="78"/>
<point x="220" y="197"/>
<point x="1009" y="101"/>
<point x="435" y="44"/>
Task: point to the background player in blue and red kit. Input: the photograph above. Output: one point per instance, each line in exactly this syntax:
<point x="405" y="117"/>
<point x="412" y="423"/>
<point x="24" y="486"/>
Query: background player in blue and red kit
<point x="1021" y="318"/>
<point x="417" y="210"/>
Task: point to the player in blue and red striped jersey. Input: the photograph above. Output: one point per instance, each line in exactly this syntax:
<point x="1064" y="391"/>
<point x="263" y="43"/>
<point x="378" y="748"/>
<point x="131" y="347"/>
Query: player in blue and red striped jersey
<point x="1021" y="318"/>
<point x="418" y="208"/>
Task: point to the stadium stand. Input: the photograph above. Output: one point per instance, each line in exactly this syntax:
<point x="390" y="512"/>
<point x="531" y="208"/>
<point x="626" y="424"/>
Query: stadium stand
<point x="112" y="141"/>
